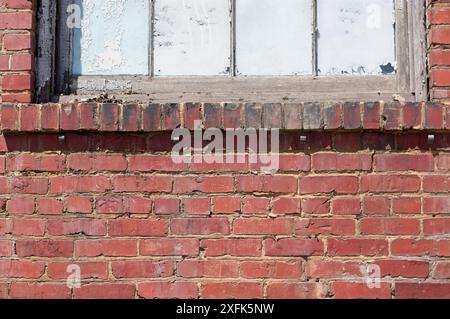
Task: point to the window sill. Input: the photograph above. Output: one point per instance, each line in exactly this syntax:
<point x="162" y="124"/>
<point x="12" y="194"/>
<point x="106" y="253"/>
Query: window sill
<point x="114" y="117"/>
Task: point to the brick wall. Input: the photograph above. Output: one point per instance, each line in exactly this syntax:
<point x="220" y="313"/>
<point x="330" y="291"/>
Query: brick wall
<point x="368" y="184"/>
<point x="439" y="49"/>
<point x="110" y="200"/>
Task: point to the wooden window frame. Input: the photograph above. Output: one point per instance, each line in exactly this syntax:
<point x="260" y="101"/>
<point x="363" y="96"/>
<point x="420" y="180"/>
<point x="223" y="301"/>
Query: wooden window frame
<point x="54" y="81"/>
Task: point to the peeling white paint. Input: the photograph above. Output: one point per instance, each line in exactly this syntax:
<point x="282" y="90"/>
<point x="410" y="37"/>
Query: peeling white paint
<point x="113" y="38"/>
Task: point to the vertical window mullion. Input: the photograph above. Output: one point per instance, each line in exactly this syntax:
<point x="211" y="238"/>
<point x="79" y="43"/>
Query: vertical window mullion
<point x="151" y="55"/>
<point x="233" y="37"/>
<point x="315" y="33"/>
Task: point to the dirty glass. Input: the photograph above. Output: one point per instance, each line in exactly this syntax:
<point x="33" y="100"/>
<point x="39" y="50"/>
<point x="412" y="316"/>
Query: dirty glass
<point x="192" y="37"/>
<point x="356" y="37"/>
<point x="273" y="37"/>
<point x="235" y="37"/>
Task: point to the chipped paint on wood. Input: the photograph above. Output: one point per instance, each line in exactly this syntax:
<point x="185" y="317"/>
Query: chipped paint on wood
<point x="356" y="37"/>
<point x="113" y="38"/>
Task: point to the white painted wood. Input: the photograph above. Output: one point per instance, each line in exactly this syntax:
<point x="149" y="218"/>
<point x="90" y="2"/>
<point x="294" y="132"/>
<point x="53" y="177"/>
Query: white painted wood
<point x="273" y="37"/>
<point x="356" y="37"/>
<point x="192" y="37"/>
<point x="113" y="38"/>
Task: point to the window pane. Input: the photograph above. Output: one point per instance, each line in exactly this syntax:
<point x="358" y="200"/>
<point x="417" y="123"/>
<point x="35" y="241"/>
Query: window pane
<point x="273" y="37"/>
<point x="356" y="37"/>
<point x="192" y="37"/>
<point x="113" y="38"/>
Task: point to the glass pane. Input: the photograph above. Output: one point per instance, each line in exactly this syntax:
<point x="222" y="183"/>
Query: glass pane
<point x="192" y="37"/>
<point x="113" y="38"/>
<point x="273" y="37"/>
<point x="356" y="37"/>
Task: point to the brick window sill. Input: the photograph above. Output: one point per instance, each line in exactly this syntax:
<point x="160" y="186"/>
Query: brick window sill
<point x="107" y="117"/>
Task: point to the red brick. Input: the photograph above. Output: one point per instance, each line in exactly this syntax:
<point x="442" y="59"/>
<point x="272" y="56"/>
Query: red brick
<point x="142" y="183"/>
<point x="325" y="269"/>
<point x="328" y="184"/>
<point x="17" y="42"/>
<point x="30" y="290"/>
<point x="436" y="226"/>
<point x="109" y="117"/>
<point x="436" y="183"/>
<point x="259" y="226"/>
<point x="403" y="162"/>
<point x="21" y="269"/>
<point x="231" y="290"/>
<point x="436" y="205"/>
<point x="442" y="270"/>
<point x="109" y="205"/>
<point x="199" y="226"/>
<point x="28" y="227"/>
<point x="190" y="268"/>
<point x="96" y="162"/>
<point x="106" y="291"/>
<point x="389" y="226"/>
<point x="74" y="226"/>
<point x="88" y="270"/>
<point x="406" y="205"/>
<point x="293" y="247"/>
<point x="16" y="20"/>
<point x="44" y="248"/>
<point x="390" y="183"/>
<point x="204" y="184"/>
<point x="197" y="206"/>
<point x="357" y="247"/>
<point x="226" y="205"/>
<point x="88" y="116"/>
<point x="169" y="247"/>
<point x="21" y="205"/>
<point x="316" y="205"/>
<point x="341" y="162"/>
<point x="29" y="118"/>
<point x="168" y="290"/>
<point x="266" y="184"/>
<point x="325" y="226"/>
<point x="166" y="206"/>
<point x="137" y="227"/>
<point x="422" y="247"/>
<point x="353" y="290"/>
<point x="405" y="290"/>
<point x="21" y="62"/>
<point x="29" y="185"/>
<point x="271" y="269"/>
<point x="346" y="206"/>
<point x="79" y="184"/>
<point x="403" y="268"/>
<point x="29" y="162"/>
<point x="232" y="247"/>
<point x="443" y="161"/>
<point x="79" y="204"/>
<point x="6" y="248"/>
<point x="255" y="205"/>
<point x="142" y="269"/>
<point x="376" y="205"/>
<point x="105" y="247"/>
<point x="158" y="163"/>
<point x="439" y="15"/>
<point x="305" y="290"/>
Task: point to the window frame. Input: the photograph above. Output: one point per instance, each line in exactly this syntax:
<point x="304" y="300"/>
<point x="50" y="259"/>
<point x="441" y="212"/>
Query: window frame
<point x="54" y="80"/>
